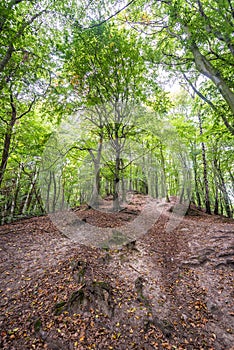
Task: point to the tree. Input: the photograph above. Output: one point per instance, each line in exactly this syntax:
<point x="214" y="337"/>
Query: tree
<point x="19" y="193"/>
<point x="193" y="36"/>
<point x="24" y="71"/>
<point x="58" y="58"/>
<point x="209" y="145"/>
<point x="106" y="69"/>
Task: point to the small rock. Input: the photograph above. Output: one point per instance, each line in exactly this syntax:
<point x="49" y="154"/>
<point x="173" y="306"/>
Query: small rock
<point x="211" y="306"/>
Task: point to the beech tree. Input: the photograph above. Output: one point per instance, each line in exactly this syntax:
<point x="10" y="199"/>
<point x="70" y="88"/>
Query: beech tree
<point x="192" y="36"/>
<point x="107" y="72"/>
<point x="209" y="143"/>
<point x="111" y="60"/>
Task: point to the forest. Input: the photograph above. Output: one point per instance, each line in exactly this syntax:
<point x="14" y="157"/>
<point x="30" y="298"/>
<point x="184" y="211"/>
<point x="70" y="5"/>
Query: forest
<point x="116" y="174"/>
<point x="144" y="90"/>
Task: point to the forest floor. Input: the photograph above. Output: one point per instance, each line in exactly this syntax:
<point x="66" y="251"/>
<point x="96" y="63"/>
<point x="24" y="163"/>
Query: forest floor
<point x="169" y="289"/>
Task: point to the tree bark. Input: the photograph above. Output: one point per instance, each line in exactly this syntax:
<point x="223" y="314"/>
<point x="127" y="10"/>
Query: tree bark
<point x="196" y="181"/>
<point x="30" y="192"/>
<point x="7" y="141"/>
<point x="216" y="185"/>
<point x="164" y="176"/>
<point x="207" y="195"/>
<point x="225" y="194"/>
<point x="207" y="69"/>
<point x="116" y="204"/>
<point x="15" y="193"/>
<point x="94" y="201"/>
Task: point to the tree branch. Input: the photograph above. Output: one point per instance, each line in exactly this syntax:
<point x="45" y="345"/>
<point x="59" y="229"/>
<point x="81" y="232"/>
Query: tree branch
<point x="29" y="108"/>
<point x="20" y="32"/>
<point x="207" y="69"/>
<point x="226" y="122"/>
<point x="111" y="16"/>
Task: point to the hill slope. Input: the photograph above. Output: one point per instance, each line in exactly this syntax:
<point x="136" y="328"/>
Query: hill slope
<point x="169" y="289"/>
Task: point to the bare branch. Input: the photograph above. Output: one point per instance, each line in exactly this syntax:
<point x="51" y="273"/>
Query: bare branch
<point x="29" y="108"/>
<point x="111" y="16"/>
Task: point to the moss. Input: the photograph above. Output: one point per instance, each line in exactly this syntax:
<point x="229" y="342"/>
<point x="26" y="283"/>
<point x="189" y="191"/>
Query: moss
<point x="59" y="308"/>
<point x="37" y="325"/>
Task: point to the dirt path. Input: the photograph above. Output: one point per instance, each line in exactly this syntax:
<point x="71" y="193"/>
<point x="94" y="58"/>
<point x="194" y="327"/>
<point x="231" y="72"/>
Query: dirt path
<point x="169" y="289"/>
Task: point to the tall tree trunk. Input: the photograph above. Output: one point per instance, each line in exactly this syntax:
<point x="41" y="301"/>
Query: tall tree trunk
<point x="225" y="195"/>
<point x="232" y="178"/>
<point x="94" y="201"/>
<point x="195" y="167"/>
<point x="216" y="184"/>
<point x="48" y="192"/>
<point x="123" y="190"/>
<point x="107" y="187"/>
<point x="218" y="175"/>
<point x="54" y="201"/>
<point x="130" y="187"/>
<point x="205" y="175"/>
<point x="7" y="141"/>
<point x="15" y="193"/>
<point x="4" y="213"/>
<point x="221" y="205"/>
<point x="8" y="134"/>
<point x="164" y="176"/>
<point x="116" y="204"/>
<point x="156" y="184"/>
<point x="216" y="205"/>
<point x="30" y="192"/>
<point x="117" y="145"/>
<point x="38" y="201"/>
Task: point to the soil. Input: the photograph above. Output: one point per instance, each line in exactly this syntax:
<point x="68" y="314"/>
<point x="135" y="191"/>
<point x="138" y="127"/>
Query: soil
<point x="171" y="288"/>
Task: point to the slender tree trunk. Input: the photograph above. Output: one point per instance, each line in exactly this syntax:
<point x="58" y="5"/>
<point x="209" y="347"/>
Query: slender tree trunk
<point x="107" y="187"/>
<point x="81" y="197"/>
<point x="30" y="193"/>
<point x="164" y="176"/>
<point x="39" y="201"/>
<point x="216" y="205"/>
<point x="54" y="201"/>
<point x="232" y="178"/>
<point x="15" y="193"/>
<point x="130" y="174"/>
<point x="62" y="204"/>
<point x="198" y="198"/>
<point x="216" y="184"/>
<point x="218" y="175"/>
<point x="8" y="135"/>
<point x="225" y="195"/>
<point x="205" y="175"/>
<point x="58" y="187"/>
<point x="156" y="184"/>
<point x="116" y="204"/>
<point x="221" y="204"/>
<point x="94" y="201"/>
<point x="7" y="142"/>
<point x="135" y="181"/>
<point x="48" y="193"/>
<point x="117" y="166"/>
<point x="4" y="213"/>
